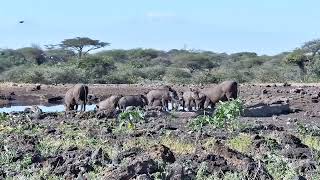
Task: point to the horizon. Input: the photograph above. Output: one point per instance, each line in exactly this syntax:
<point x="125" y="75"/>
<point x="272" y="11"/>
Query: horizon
<point x="266" y="28"/>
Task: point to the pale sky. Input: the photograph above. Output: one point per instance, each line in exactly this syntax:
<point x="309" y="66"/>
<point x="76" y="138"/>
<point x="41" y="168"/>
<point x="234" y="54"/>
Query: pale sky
<point x="262" y="26"/>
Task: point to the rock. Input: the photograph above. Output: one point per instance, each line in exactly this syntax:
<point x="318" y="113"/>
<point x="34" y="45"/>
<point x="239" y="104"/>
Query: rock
<point x="162" y="152"/>
<point x="297" y="153"/>
<point x="292" y="141"/>
<point x="56" y="99"/>
<point x="286" y="84"/>
<point x="50" y="130"/>
<point x="143" y="177"/>
<point x="92" y="97"/>
<point x="297" y="90"/>
<point x="128" y="153"/>
<point x="264" y="91"/>
<point x="299" y="178"/>
<point x="279" y="91"/>
<point x="37" y="87"/>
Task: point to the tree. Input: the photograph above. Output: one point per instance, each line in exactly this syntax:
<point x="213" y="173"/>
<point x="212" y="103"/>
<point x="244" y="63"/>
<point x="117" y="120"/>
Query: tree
<point x="298" y="58"/>
<point x="82" y="45"/>
<point x="33" y="54"/>
<point x="312" y="47"/>
<point x="193" y="62"/>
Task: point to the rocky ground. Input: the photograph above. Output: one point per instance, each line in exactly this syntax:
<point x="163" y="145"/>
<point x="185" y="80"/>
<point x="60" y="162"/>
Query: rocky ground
<point x="278" y="139"/>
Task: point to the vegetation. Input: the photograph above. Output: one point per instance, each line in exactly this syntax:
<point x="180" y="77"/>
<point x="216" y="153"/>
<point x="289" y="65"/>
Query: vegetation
<point x="226" y="116"/>
<point x="130" y="118"/>
<point x="74" y="61"/>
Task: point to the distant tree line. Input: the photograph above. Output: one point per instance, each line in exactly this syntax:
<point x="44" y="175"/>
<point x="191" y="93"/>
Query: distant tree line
<point x="72" y="61"/>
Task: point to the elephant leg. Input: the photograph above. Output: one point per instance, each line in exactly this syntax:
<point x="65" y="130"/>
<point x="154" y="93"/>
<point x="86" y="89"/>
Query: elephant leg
<point x="188" y="105"/>
<point x="206" y="103"/>
<point x="194" y="104"/>
<point x="151" y="102"/>
<point x="183" y="104"/>
<point x="163" y="104"/>
<point x="167" y="104"/>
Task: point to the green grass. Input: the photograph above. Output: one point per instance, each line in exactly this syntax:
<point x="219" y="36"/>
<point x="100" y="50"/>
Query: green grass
<point x="177" y="145"/>
<point x="241" y="143"/>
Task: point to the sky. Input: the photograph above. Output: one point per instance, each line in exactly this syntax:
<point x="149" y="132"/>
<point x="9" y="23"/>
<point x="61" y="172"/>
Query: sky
<point x="262" y="26"/>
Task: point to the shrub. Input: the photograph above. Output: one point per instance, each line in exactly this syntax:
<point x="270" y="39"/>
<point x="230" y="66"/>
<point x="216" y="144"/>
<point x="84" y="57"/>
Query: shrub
<point x="226" y="116"/>
<point x="130" y="118"/>
<point x="45" y="74"/>
<point x="177" y="75"/>
<point x="201" y="77"/>
<point x="193" y="61"/>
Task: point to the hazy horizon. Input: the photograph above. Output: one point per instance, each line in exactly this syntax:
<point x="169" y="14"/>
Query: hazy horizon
<point x="268" y="27"/>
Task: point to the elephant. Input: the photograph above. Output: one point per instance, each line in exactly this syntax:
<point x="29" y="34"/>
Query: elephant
<point x="76" y="95"/>
<point x="224" y="91"/>
<point x="189" y="98"/>
<point x="164" y="95"/>
<point x="110" y="103"/>
<point x="132" y="100"/>
<point x="200" y="102"/>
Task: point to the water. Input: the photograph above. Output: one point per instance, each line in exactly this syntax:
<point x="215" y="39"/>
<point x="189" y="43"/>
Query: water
<point x="56" y="108"/>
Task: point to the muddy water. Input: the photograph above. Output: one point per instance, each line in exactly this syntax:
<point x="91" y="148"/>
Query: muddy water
<point x="55" y="108"/>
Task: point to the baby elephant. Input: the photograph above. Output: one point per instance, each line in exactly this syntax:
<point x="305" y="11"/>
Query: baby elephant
<point x="78" y="94"/>
<point x="109" y="104"/>
<point x="132" y="100"/>
<point x="189" y="98"/>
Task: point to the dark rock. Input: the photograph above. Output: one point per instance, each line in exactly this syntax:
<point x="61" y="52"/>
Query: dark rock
<point x="264" y="91"/>
<point x="286" y="84"/>
<point x="291" y="140"/>
<point x="162" y="152"/>
<point x="50" y="130"/>
<point x="56" y="99"/>
<point x="128" y="153"/>
<point x="299" y="178"/>
<point x="72" y="148"/>
<point x="297" y="153"/>
<point x="297" y="90"/>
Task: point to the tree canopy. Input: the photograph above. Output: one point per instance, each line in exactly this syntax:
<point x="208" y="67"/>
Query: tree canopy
<point x="83" y="45"/>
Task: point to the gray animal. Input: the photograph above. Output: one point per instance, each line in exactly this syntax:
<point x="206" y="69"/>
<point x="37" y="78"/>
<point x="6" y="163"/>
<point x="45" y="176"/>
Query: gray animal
<point x="132" y="100"/>
<point x="224" y="91"/>
<point x="189" y="98"/>
<point x="200" y="102"/>
<point x="164" y="95"/>
<point x="109" y="104"/>
<point x="76" y="95"/>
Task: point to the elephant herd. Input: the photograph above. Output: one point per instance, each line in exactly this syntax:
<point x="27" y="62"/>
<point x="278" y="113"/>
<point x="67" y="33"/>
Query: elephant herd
<point x="191" y="99"/>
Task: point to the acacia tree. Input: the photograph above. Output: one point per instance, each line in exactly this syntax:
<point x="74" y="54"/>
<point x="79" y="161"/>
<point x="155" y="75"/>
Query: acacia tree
<point x="298" y="58"/>
<point x="312" y="47"/>
<point x="82" y="45"/>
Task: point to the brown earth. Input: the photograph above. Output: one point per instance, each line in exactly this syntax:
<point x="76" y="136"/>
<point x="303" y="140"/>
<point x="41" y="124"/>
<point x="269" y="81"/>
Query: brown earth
<point x="83" y="143"/>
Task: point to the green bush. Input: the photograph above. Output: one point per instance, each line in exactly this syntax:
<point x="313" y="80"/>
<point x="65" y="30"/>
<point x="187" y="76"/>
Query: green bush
<point x="226" y="116"/>
<point x="130" y="118"/>
<point x="177" y="75"/>
<point x="193" y="61"/>
<point x="202" y="77"/>
<point x="45" y="74"/>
